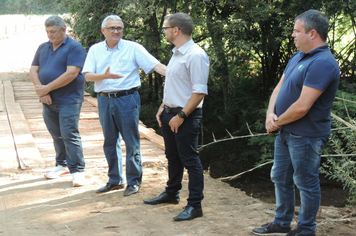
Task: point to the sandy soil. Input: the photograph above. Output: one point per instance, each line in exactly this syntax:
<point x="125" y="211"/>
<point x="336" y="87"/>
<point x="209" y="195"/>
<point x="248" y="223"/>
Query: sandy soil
<point x="31" y="205"/>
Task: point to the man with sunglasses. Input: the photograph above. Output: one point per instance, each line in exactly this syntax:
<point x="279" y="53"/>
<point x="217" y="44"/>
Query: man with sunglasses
<point x="113" y="65"/>
<point x="180" y="115"/>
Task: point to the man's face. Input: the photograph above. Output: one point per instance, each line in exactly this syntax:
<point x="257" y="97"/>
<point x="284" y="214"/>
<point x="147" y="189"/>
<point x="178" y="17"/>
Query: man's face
<point x="301" y="39"/>
<point x="169" y="32"/>
<point x="113" y="25"/>
<point x="56" y="35"/>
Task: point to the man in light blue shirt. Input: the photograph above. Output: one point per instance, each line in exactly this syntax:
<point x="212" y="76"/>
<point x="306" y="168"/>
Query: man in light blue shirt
<point x="113" y="65"/>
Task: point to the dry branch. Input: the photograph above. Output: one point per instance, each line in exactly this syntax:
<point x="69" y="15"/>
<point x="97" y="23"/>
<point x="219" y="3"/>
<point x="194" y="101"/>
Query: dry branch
<point x="343" y="121"/>
<point x="238" y="175"/>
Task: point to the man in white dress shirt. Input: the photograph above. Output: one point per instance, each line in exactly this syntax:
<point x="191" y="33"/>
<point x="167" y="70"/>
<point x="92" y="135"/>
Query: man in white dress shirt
<point x="180" y="115"/>
<point x="113" y="65"/>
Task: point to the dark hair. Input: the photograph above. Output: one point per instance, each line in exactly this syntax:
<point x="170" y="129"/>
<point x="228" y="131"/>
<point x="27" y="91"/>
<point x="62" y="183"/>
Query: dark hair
<point x="181" y="20"/>
<point x="315" y="20"/>
<point x="55" y="21"/>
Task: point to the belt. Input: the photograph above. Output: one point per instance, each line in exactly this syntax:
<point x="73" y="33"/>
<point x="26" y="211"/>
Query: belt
<point x="119" y="94"/>
<point x="174" y="110"/>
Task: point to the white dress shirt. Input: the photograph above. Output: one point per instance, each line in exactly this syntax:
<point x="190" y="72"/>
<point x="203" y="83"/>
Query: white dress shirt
<point x="187" y="73"/>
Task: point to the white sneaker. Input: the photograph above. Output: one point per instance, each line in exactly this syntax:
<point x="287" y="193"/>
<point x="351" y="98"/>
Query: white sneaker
<point x="57" y="172"/>
<point x="78" y="179"/>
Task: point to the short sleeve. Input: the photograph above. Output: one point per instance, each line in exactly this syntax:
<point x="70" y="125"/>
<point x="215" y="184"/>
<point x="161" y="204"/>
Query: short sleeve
<point x="144" y="59"/>
<point x="36" y="59"/>
<point x="76" y="56"/>
<point x="199" y="73"/>
<point x="320" y="74"/>
<point x="89" y="65"/>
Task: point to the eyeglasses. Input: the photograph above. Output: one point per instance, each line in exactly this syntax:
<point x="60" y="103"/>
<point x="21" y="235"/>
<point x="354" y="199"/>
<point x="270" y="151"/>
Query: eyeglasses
<point x="112" y="29"/>
<point x="164" y="29"/>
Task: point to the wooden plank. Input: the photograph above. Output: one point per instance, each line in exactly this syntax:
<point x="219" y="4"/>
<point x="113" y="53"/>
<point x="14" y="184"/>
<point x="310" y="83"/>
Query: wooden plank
<point x="152" y="136"/>
<point x="145" y="132"/>
<point x="27" y="151"/>
<point x="8" y="156"/>
<point x="8" y="92"/>
<point x="2" y="102"/>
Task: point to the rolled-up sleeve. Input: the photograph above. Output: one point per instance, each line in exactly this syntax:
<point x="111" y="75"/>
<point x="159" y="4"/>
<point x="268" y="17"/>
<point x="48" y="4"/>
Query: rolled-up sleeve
<point x="199" y="73"/>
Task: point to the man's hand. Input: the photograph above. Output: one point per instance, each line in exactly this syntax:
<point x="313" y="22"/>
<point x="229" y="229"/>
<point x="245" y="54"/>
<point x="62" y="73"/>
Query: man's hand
<point x="159" y="114"/>
<point x="46" y="99"/>
<point x="42" y="90"/>
<point x="110" y="75"/>
<point x="175" y="122"/>
<point x="271" y="125"/>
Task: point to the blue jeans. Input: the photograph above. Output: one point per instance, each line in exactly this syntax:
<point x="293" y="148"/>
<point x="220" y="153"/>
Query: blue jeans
<point x="62" y="122"/>
<point x="120" y="117"/>
<point x="181" y="152"/>
<point x="296" y="163"/>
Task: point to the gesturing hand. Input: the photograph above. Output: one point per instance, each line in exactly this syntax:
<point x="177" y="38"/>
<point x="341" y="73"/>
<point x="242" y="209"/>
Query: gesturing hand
<point x="110" y="75"/>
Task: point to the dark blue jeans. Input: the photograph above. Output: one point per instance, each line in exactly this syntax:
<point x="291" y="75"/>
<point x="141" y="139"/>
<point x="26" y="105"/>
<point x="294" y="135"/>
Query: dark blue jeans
<point x="296" y="163"/>
<point x="120" y="117"/>
<point x="62" y="122"/>
<point x="181" y="152"/>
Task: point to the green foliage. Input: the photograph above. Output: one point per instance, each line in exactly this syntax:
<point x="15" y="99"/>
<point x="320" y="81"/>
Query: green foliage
<point x="29" y="7"/>
<point x="342" y="168"/>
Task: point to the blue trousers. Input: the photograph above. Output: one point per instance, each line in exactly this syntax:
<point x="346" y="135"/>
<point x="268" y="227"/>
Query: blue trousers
<point x="120" y="117"/>
<point x="62" y="122"/>
<point x="181" y="152"/>
<point x="296" y="163"/>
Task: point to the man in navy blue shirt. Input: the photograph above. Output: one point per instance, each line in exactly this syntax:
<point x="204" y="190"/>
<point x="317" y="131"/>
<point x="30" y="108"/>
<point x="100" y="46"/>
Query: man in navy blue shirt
<point x="56" y="74"/>
<point x="300" y="108"/>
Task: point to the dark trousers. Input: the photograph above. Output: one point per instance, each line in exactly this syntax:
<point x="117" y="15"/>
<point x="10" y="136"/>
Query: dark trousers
<point x="181" y="152"/>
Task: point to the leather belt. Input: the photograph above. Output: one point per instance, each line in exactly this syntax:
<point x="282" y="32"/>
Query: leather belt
<point x="119" y="93"/>
<point x="174" y="110"/>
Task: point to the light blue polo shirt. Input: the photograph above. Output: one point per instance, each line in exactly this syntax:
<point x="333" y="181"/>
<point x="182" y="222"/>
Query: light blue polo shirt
<point x="125" y="59"/>
<point x="317" y="69"/>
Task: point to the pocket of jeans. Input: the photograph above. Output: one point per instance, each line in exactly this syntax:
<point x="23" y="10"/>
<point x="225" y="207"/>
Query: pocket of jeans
<point x="135" y="103"/>
<point x="295" y="136"/>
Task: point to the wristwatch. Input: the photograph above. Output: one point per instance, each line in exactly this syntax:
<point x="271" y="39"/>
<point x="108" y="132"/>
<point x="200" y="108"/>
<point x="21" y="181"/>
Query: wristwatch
<point x="181" y="114"/>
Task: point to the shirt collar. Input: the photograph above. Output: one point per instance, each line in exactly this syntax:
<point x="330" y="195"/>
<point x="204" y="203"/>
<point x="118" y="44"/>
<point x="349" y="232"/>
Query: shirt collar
<point x="119" y="45"/>
<point x="64" y="42"/>
<point x="315" y="51"/>
<point x="183" y="49"/>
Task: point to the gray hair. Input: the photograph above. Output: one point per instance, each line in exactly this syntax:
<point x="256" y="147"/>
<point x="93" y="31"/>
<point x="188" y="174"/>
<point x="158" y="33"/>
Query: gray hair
<point x="111" y="17"/>
<point x="315" y="20"/>
<point x="55" y="21"/>
<point x="181" y="20"/>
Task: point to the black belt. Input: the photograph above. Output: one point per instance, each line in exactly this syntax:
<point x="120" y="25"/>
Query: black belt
<point x="119" y="94"/>
<point x="174" y="110"/>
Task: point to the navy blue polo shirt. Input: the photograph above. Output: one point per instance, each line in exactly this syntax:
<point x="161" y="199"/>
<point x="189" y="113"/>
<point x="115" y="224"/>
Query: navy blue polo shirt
<point x="53" y="64"/>
<point x="317" y="69"/>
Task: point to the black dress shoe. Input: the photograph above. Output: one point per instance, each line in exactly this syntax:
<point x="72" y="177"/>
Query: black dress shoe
<point x="162" y="198"/>
<point x="189" y="213"/>
<point x="109" y="187"/>
<point x="131" y="189"/>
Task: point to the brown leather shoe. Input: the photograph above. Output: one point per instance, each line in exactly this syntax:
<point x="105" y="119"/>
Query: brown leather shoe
<point x="162" y="198"/>
<point x="110" y="187"/>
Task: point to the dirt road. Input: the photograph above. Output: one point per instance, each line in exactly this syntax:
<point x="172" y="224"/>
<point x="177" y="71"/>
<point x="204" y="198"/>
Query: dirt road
<point x="32" y="205"/>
